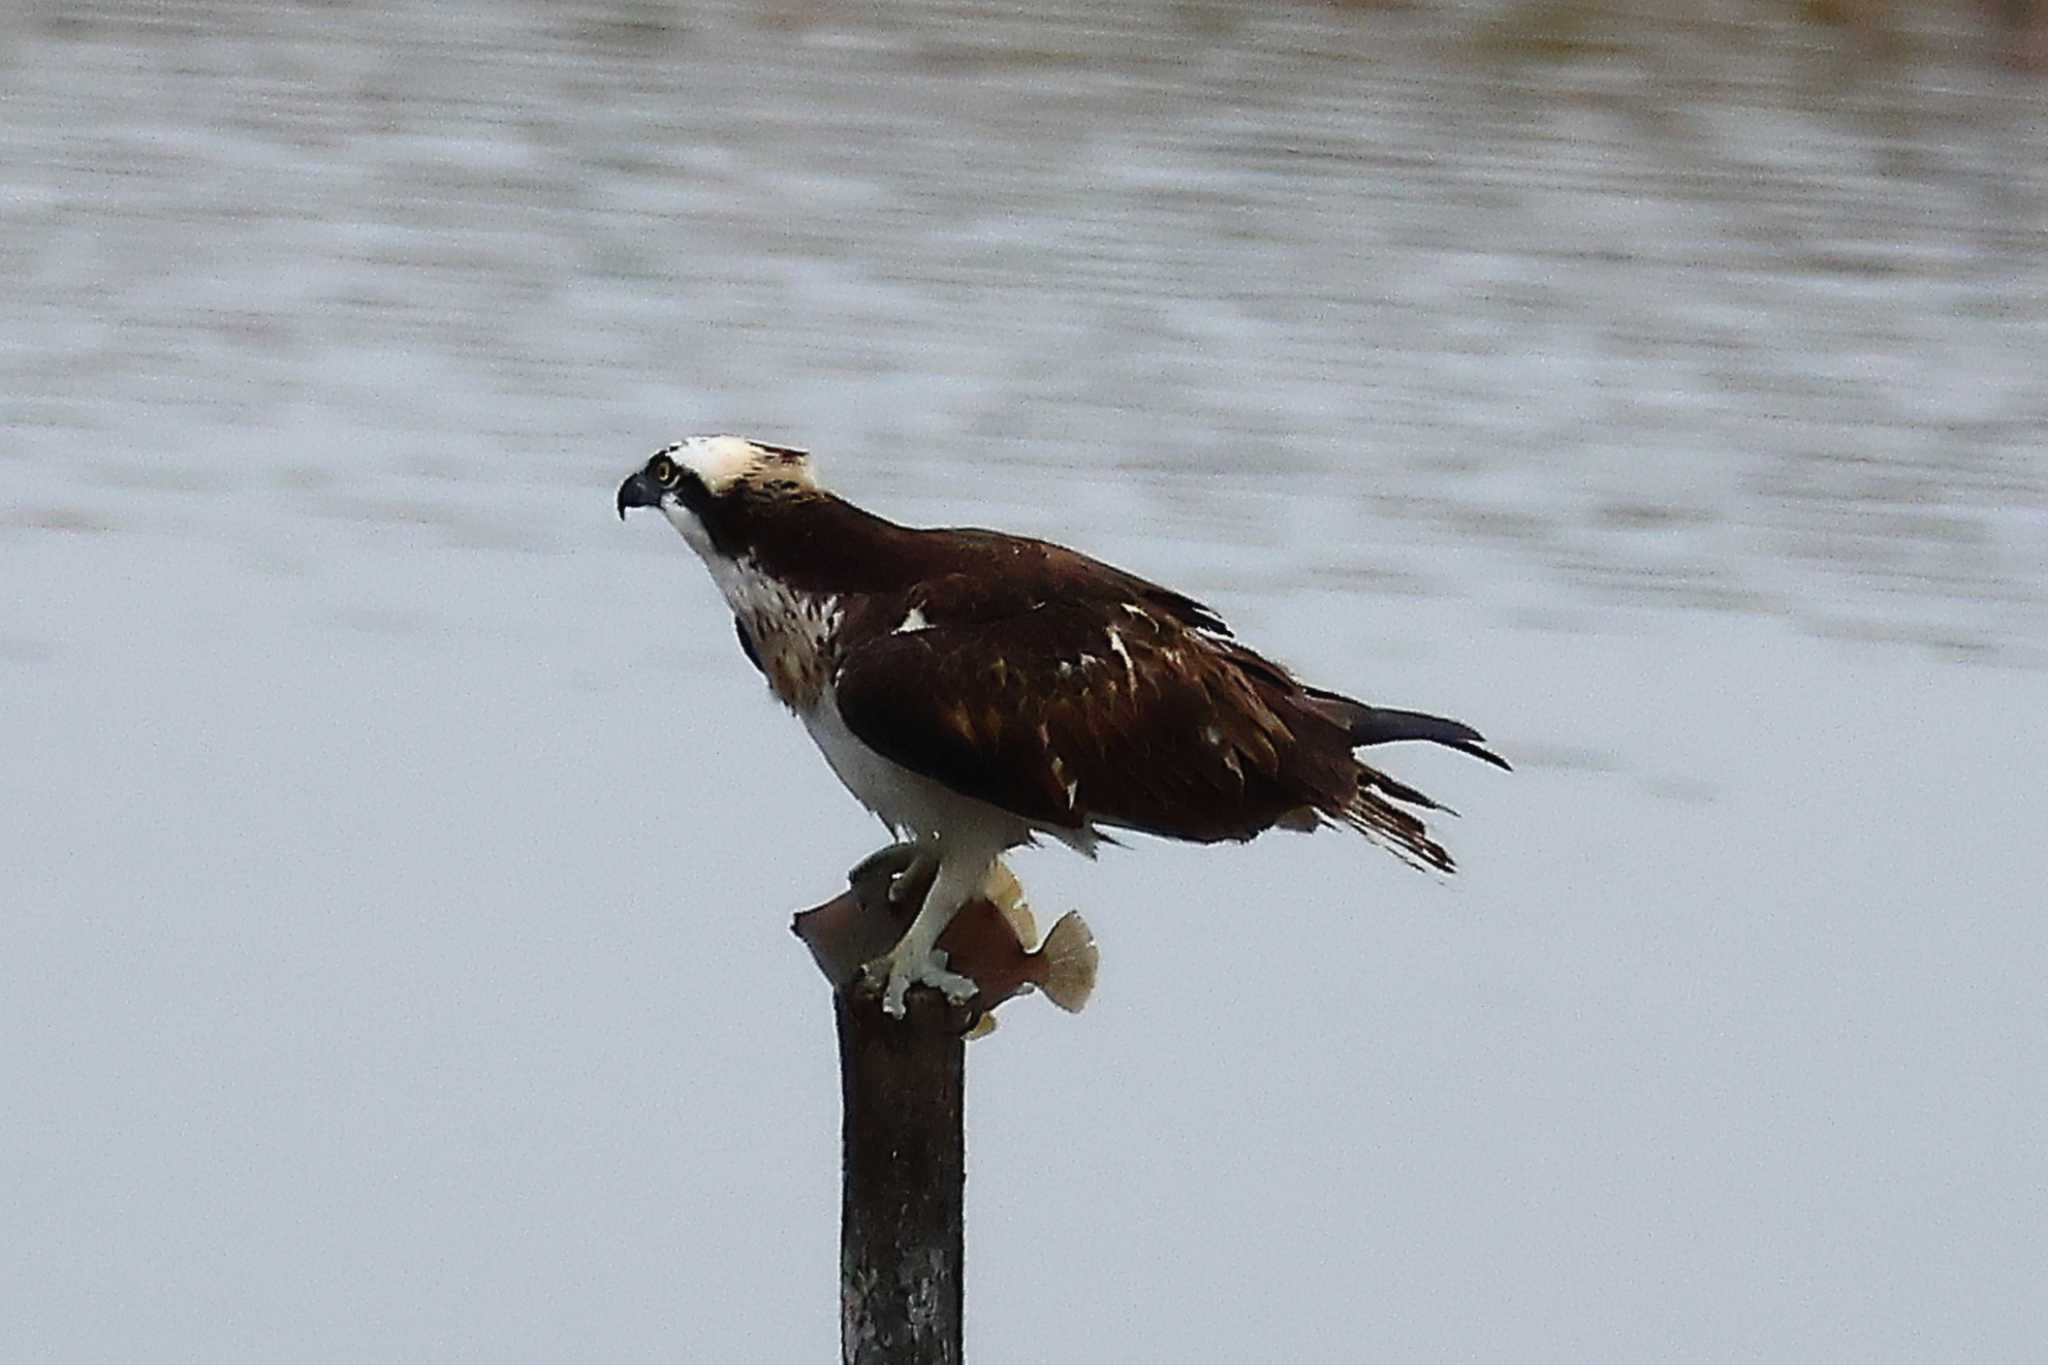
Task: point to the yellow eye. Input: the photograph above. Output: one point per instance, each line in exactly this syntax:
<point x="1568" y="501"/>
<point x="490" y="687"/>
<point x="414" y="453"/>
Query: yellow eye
<point x="662" y="470"/>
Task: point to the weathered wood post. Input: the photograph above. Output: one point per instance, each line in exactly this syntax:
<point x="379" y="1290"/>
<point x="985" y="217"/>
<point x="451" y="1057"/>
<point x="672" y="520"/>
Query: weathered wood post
<point x="902" y="1083"/>
<point x="902" y="1086"/>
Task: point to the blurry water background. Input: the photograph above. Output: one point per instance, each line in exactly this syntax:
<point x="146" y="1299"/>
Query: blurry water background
<point x="397" y="853"/>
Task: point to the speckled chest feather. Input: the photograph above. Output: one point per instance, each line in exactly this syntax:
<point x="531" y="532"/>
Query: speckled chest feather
<point x="792" y="633"/>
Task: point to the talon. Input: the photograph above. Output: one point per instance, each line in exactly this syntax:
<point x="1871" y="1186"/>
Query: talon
<point x="891" y="861"/>
<point x="908" y="887"/>
<point x="896" y="973"/>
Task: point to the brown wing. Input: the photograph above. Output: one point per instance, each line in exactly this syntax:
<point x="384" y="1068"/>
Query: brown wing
<point x="976" y="575"/>
<point x="1078" y="713"/>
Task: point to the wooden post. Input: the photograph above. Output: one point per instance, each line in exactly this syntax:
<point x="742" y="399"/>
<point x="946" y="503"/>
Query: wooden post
<point x="902" y="1086"/>
<point x="902" y="1083"/>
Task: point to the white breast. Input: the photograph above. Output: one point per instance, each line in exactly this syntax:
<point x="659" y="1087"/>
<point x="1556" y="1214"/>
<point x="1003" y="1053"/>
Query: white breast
<point x="909" y="803"/>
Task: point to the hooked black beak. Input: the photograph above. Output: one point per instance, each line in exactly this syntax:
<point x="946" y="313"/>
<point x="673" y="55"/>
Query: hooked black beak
<point x="636" y="491"/>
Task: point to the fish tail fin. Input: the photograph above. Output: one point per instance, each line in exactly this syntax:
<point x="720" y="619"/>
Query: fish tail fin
<point x="1070" y="962"/>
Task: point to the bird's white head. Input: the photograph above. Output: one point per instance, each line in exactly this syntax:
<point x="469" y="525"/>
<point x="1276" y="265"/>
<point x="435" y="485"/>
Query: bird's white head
<point x="708" y="485"/>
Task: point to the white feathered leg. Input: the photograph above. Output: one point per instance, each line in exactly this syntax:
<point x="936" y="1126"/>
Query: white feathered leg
<point x="916" y="959"/>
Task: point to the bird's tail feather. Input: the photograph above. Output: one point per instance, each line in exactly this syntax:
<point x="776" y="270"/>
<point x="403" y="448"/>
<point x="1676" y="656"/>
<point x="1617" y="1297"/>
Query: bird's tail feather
<point x="1386" y="724"/>
<point x="1388" y="825"/>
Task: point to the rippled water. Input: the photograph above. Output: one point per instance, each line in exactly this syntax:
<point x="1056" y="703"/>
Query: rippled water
<point x="399" y="849"/>
<point x="1686" y="310"/>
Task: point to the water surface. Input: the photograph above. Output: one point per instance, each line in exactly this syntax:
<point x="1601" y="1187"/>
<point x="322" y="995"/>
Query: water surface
<point x="394" y="966"/>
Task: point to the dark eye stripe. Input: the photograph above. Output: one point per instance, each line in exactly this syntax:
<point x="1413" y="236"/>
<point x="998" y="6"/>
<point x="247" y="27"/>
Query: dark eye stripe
<point x="688" y="488"/>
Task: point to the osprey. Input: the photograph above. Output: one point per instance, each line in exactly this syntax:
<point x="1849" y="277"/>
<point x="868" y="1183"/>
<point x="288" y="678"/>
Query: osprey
<point x="978" y="690"/>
